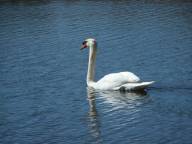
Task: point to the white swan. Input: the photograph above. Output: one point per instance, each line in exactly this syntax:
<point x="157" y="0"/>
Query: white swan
<point x="113" y="81"/>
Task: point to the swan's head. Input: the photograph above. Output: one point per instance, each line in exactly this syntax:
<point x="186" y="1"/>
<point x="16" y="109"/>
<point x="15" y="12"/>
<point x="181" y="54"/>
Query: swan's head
<point x="90" y="42"/>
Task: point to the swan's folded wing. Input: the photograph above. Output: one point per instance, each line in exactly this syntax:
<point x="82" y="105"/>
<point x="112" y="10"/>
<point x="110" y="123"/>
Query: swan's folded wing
<point x="114" y="80"/>
<point x="134" y="86"/>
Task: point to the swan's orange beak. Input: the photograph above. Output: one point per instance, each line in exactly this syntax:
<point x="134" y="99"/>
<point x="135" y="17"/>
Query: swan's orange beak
<point x="84" y="45"/>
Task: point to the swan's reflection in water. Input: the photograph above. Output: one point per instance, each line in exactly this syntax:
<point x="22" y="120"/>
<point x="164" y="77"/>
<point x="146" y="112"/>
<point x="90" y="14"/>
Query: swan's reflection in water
<point x="126" y="100"/>
<point x="129" y="101"/>
<point x="94" y="123"/>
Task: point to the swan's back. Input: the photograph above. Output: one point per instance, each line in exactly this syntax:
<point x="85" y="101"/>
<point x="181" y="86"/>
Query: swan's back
<point x="113" y="80"/>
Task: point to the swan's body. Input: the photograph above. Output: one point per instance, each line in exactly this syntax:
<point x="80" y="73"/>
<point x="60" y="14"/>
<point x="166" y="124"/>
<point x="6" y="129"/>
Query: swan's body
<point x="113" y="81"/>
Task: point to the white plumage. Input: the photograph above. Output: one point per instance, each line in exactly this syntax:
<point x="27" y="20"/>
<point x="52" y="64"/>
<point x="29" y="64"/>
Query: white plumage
<point x="113" y="81"/>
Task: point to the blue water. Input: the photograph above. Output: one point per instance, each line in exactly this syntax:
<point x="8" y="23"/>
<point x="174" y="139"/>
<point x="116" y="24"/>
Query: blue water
<point x="43" y="94"/>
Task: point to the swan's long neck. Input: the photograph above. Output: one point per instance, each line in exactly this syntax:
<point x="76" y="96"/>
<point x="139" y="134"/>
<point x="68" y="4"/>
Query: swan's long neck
<point x="91" y="65"/>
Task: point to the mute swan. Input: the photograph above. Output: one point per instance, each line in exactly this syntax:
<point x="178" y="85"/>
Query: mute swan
<point x="114" y="81"/>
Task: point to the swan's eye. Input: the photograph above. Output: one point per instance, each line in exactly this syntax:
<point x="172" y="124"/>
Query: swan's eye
<point x="83" y="43"/>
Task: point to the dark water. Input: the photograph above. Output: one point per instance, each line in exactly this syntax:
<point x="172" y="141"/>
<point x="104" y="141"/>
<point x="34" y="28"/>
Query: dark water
<point x="43" y="95"/>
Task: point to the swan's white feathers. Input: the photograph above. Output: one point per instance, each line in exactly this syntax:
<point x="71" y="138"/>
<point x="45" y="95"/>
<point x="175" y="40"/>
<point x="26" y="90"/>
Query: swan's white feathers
<point x="114" y="80"/>
<point x="134" y="86"/>
<point x="122" y="77"/>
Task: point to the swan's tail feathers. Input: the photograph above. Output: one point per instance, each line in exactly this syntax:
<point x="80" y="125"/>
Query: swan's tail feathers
<point x="134" y="86"/>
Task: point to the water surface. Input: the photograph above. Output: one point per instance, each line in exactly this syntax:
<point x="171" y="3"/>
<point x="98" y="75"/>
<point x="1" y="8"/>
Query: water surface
<point x="44" y="98"/>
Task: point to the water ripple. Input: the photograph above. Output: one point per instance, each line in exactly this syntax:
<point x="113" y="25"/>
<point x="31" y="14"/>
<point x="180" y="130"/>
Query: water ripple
<point x="42" y="72"/>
